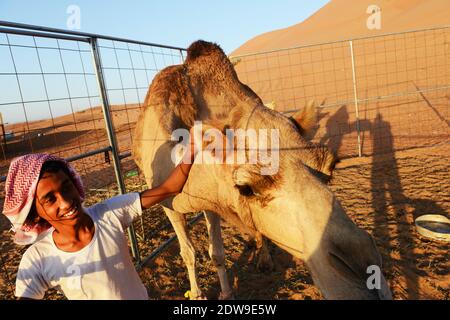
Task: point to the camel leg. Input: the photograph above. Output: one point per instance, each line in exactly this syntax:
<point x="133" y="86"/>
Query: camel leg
<point x="187" y="251"/>
<point x="217" y="253"/>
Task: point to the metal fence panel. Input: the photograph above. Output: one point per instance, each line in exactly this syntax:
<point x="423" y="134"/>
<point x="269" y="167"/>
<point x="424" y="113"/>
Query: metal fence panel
<point x="356" y="82"/>
<point x="78" y="96"/>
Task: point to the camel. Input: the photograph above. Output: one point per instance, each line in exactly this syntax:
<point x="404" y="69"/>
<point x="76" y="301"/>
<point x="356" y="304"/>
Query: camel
<point x="293" y="207"/>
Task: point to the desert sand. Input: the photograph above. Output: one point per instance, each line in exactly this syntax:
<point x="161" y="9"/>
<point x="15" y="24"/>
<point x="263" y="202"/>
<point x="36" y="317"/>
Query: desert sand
<point x="345" y="19"/>
<point x="404" y="135"/>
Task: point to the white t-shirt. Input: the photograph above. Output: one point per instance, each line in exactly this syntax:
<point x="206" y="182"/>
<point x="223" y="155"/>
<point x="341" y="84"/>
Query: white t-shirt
<point x="101" y="270"/>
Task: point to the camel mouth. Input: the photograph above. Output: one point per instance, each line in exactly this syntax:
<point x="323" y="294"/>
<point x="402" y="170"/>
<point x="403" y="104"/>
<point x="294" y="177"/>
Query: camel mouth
<point x="353" y="274"/>
<point x="342" y="267"/>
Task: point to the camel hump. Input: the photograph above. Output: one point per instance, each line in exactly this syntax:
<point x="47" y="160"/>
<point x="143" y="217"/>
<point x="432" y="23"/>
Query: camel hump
<point x="202" y="48"/>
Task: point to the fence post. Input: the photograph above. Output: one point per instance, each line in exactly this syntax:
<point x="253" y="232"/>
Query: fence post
<point x="355" y="93"/>
<point x="181" y="54"/>
<point x="112" y="138"/>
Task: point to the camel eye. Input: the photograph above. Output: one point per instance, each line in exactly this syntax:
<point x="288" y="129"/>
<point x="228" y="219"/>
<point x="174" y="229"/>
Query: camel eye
<point x="245" y="190"/>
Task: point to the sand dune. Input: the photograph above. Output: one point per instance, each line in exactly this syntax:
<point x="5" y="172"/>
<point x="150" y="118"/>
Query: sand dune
<point x="343" y="19"/>
<point x="398" y="77"/>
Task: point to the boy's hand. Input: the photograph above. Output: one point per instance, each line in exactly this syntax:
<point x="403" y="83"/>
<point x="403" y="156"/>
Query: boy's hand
<point x="193" y="146"/>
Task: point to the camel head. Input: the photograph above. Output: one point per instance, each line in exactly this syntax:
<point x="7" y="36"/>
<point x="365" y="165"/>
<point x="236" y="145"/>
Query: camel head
<point x="290" y="204"/>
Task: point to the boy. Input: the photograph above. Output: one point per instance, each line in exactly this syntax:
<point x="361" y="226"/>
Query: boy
<point x="81" y="251"/>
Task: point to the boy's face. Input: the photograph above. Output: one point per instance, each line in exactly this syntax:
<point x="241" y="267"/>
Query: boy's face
<point x="57" y="199"/>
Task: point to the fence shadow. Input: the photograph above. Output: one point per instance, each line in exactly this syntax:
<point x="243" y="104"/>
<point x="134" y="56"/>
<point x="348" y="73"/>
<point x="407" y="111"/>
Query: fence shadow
<point x="333" y="136"/>
<point x="391" y="230"/>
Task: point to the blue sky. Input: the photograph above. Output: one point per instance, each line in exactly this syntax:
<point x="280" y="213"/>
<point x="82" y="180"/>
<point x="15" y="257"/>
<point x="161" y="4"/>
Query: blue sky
<point x="229" y="23"/>
<point x="177" y="23"/>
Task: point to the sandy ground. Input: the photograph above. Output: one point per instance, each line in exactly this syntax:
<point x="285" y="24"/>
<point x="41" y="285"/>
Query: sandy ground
<point x="404" y="171"/>
<point x="381" y="194"/>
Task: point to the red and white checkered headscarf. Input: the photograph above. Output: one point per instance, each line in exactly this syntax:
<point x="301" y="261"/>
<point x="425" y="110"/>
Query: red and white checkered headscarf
<point x="20" y="189"/>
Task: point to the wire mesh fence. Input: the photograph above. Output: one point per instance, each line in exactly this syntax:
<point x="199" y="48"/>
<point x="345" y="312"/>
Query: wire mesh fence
<point x="376" y="95"/>
<point x="128" y="70"/>
<point x="52" y="102"/>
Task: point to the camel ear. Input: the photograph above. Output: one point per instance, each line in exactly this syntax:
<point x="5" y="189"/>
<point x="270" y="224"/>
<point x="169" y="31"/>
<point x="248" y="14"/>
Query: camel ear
<point x="305" y="119"/>
<point x="322" y="161"/>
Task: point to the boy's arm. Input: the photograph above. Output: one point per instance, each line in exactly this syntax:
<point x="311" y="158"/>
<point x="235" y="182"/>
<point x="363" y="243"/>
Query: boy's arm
<point x="174" y="183"/>
<point x="172" y="186"/>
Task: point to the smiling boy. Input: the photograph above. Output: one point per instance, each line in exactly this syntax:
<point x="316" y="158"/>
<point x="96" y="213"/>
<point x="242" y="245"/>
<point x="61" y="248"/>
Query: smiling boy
<point x="80" y="251"/>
